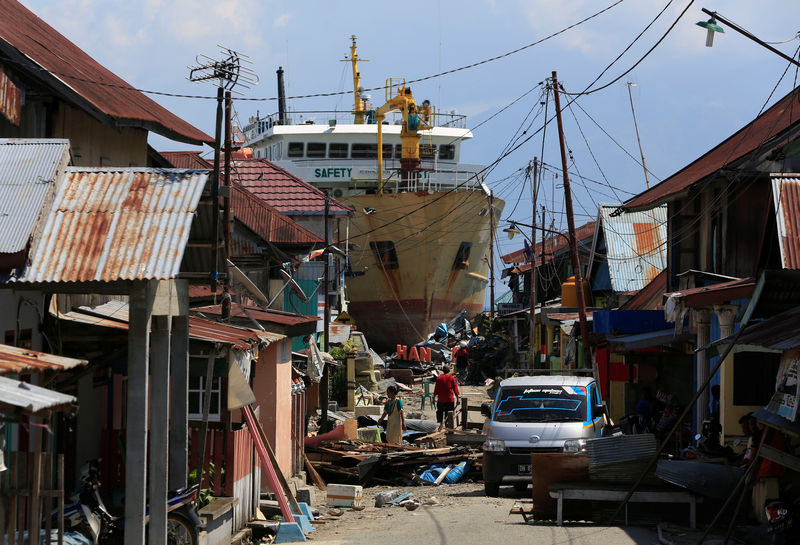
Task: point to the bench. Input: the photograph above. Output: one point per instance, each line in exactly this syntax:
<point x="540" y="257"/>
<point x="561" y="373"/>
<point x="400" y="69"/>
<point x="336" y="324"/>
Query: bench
<point x="609" y="492"/>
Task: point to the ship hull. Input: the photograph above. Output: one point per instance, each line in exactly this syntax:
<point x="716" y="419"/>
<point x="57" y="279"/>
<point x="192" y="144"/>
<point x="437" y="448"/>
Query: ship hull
<point x="416" y="260"/>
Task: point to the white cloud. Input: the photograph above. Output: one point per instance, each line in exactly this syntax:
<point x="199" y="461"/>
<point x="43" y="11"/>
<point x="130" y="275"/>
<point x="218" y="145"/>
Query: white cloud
<point x="282" y="20"/>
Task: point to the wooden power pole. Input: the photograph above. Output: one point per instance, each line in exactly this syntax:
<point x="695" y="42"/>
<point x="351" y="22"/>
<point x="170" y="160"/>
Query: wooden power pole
<point x="573" y="243"/>
<point x="532" y="334"/>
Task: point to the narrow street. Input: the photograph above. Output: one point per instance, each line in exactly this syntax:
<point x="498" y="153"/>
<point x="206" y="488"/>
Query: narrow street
<point x="464" y="516"/>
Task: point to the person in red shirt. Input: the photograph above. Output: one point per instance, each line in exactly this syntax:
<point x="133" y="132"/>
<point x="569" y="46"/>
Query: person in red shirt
<point x="446" y="393"/>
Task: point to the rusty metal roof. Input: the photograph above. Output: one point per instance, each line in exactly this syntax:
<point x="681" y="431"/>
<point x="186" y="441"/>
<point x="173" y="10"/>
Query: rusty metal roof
<point x="635" y="246"/>
<point x="114" y="314"/>
<point x="756" y="136"/>
<point x="552" y="245"/>
<point x="28" y="169"/>
<point x="29" y="398"/>
<point x="24" y="360"/>
<point x="29" y="44"/>
<point x="786" y="194"/>
<point x="187" y="159"/>
<point x="259" y="314"/>
<point x="116" y="224"/>
<point x="733" y="290"/>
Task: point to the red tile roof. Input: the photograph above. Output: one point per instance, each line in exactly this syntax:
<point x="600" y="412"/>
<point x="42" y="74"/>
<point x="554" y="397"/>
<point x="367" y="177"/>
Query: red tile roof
<point x="282" y="189"/>
<point x="266" y="221"/>
<point x="75" y="75"/>
<point x="187" y="159"/>
<point x="752" y="137"/>
<point x="552" y="245"/>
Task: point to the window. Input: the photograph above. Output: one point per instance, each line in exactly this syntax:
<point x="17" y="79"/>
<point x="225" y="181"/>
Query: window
<point x="462" y="256"/>
<point x="754" y="377"/>
<point x="197" y="390"/>
<point x="387" y="151"/>
<point x="337" y="151"/>
<point x="427" y="151"/>
<point x="398" y="151"/>
<point x="447" y="152"/>
<point x="385" y="254"/>
<point x="364" y="151"/>
<point x="315" y="150"/>
<point x="295" y="149"/>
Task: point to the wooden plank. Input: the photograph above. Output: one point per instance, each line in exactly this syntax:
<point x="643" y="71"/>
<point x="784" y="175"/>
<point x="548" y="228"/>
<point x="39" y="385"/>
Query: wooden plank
<point x="274" y="461"/>
<point x="442" y="475"/>
<point x="780" y="457"/>
<point x="12" y="504"/>
<point x="60" y="499"/>
<point x="315" y="477"/>
<point x="47" y="478"/>
<point x="36" y="484"/>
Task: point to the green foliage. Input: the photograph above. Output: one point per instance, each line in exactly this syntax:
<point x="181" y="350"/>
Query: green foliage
<point x="337" y="353"/>
<point x="338" y="386"/>
<point x="352" y="346"/>
<point x="205" y="496"/>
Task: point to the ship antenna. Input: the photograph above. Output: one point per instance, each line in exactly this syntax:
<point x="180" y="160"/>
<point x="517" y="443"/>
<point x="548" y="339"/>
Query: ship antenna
<point x="359" y="102"/>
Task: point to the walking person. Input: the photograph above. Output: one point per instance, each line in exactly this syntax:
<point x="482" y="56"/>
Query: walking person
<point x="394" y="416"/>
<point x="446" y="393"/>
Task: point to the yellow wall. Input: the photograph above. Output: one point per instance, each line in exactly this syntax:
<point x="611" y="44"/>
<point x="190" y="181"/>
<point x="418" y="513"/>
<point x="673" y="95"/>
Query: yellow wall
<point x="95" y="144"/>
<point x="730" y="413"/>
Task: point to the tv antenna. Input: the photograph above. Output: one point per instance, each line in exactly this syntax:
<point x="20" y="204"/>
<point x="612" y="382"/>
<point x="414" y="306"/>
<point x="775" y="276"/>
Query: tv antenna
<point x="230" y="72"/>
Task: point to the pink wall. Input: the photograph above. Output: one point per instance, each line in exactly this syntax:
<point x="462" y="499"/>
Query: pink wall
<point x="272" y="387"/>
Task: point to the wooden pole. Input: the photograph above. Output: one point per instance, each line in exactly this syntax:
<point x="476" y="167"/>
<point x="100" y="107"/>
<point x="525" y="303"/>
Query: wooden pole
<point x="324" y="383"/>
<point x="573" y="243"/>
<point x="491" y="257"/>
<point x="532" y="333"/>
<point x="227" y="198"/>
<point x="215" y="189"/>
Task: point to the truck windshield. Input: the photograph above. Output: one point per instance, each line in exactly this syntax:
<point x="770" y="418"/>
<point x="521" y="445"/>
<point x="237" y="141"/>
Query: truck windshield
<point x="541" y="404"/>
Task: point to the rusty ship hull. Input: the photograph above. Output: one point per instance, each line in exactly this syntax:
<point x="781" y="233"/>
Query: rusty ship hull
<point x="416" y="260"/>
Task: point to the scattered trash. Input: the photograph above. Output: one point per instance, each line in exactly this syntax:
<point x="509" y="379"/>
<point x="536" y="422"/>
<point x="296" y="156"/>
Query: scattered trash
<point x="335" y="512"/>
<point x="449" y="474"/>
<point x="432" y="500"/>
<point x="410" y="505"/>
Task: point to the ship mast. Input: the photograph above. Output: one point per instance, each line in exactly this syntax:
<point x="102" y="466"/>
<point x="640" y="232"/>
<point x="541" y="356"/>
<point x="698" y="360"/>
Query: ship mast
<point x="358" y="101"/>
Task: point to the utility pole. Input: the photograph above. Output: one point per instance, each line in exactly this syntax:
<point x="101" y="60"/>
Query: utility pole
<point x="227" y="195"/>
<point x="638" y="140"/>
<point x="326" y="321"/>
<point x="576" y="264"/>
<point x="542" y="265"/>
<point x="532" y="334"/>
<point x="491" y="258"/>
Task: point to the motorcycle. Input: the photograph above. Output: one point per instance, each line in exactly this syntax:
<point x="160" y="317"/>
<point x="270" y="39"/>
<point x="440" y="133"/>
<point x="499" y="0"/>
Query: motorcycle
<point x="784" y="521"/>
<point x="87" y="514"/>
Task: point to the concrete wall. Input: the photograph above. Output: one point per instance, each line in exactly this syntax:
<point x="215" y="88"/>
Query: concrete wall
<point x="95" y="144"/>
<point x="272" y="387"/>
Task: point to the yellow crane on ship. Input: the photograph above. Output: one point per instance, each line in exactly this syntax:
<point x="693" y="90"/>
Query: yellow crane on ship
<point x="415" y="118"/>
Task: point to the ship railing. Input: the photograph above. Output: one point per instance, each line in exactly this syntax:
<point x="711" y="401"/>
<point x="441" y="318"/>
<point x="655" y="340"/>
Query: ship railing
<point x="332" y="117"/>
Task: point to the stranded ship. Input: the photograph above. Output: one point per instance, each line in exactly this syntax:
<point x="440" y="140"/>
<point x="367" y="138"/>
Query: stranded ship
<point x="420" y="236"/>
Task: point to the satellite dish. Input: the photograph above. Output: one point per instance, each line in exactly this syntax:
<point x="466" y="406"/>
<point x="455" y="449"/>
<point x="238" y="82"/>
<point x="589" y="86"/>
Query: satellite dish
<point x="296" y="289"/>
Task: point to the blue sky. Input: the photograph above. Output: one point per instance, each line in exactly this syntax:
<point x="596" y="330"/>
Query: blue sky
<point x="688" y="97"/>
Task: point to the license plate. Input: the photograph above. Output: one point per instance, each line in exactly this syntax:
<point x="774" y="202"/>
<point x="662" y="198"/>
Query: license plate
<point x="524" y="469"/>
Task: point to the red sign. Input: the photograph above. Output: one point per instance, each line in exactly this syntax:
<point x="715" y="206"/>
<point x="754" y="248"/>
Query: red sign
<point x="10" y="99"/>
<point x="415" y="353"/>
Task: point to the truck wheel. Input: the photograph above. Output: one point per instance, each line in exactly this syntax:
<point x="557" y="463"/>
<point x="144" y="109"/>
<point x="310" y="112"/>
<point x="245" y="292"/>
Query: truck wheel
<point x="492" y="489"/>
<point x="520" y="487"/>
<point x="181" y="531"/>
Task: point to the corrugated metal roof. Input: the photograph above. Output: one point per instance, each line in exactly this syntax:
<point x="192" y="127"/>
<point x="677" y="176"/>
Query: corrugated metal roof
<point x="752" y="137"/>
<point x="781" y="332"/>
<point x="28" y="168"/>
<point x="552" y="245"/>
<point x="116" y="224"/>
<point x="649" y="297"/>
<point x="786" y="194"/>
<point x="187" y="159"/>
<point x="282" y="189"/>
<point x="636" y="246"/>
<point x="114" y="314"/>
<point x="29" y="398"/>
<point x="90" y="82"/>
<point x="23" y="360"/>
<point x="273" y="316"/>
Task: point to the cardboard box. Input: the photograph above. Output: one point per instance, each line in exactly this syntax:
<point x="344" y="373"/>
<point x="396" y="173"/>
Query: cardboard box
<point x="345" y="495"/>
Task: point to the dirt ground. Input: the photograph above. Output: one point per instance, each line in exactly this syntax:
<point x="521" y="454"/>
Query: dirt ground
<point x="455" y="514"/>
